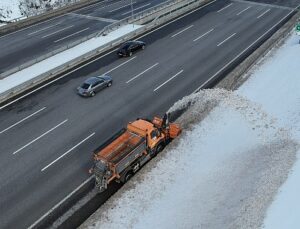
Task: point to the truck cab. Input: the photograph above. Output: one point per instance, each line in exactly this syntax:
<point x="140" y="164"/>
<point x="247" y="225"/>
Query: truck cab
<point x="154" y="136"/>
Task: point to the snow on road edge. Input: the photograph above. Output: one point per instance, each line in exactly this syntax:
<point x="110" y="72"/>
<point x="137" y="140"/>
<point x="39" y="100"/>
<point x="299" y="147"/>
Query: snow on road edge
<point x="224" y="171"/>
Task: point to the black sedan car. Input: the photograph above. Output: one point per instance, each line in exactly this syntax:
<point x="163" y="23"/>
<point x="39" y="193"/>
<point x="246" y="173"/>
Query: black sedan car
<point x="128" y="48"/>
<point x="94" y="84"/>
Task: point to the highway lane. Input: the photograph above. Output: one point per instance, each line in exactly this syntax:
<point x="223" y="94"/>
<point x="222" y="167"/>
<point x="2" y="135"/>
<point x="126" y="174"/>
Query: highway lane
<point x="178" y="59"/>
<point x="27" y="44"/>
<point x="121" y="9"/>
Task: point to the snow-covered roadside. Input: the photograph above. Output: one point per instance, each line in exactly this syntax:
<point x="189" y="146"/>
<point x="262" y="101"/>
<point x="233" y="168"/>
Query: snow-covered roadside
<point x="19" y="9"/>
<point x="59" y="59"/>
<point x="284" y="212"/>
<point x="9" y="10"/>
<point x="224" y="171"/>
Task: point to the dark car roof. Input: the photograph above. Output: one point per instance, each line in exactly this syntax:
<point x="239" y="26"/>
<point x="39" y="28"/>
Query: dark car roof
<point x="126" y="44"/>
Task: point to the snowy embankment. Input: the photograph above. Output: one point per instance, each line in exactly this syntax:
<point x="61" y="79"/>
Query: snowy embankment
<point x="9" y="10"/>
<point x="17" y="9"/>
<point x="224" y="171"/>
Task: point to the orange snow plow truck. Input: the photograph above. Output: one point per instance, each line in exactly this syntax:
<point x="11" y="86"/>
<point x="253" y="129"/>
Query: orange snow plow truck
<point x="122" y="155"/>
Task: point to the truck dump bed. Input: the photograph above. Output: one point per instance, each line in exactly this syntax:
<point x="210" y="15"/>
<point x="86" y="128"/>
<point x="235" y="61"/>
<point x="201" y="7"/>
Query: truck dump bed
<point x="123" y="150"/>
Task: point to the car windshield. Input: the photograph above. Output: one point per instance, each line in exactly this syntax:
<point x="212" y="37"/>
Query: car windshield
<point x="126" y="45"/>
<point x="85" y="86"/>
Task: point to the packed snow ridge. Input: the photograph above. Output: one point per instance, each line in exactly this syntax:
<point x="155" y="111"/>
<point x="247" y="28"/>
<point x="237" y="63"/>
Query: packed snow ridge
<point x="16" y="9"/>
<point x="236" y="151"/>
<point x="224" y="183"/>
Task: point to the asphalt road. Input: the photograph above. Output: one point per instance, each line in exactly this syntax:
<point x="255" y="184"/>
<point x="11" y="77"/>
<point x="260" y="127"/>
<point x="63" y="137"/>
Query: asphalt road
<point x="46" y="139"/>
<point x="30" y="43"/>
<point x="284" y="3"/>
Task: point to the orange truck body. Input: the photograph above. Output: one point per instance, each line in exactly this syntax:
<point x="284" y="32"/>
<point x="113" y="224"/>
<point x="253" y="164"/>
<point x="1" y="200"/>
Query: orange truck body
<point x="122" y="155"/>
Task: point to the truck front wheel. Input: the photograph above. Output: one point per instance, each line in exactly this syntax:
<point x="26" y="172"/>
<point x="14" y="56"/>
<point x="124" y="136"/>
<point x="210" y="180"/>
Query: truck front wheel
<point x="128" y="176"/>
<point x="158" y="149"/>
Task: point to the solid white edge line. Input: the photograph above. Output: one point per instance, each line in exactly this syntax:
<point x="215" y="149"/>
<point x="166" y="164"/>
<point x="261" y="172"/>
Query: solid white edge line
<point x="182" y="31"/>
<point x="138" y="75"/>
<point x="263" y="13"/>
<point x="120" y="65"/>
<point x="57" y="31"/>
<point x="239" y="13"/>
<point x="204" y="34"/>
<point x="226" y="65"/>
<point x="168" y="80"/>
<point x="222" y="42"/>
<point x="91" y="177"/>
<point x="74" y="147"/>
<point x="22" y="120"/>
<point x="106" y="54"/>
<point x="224" y="7"/>
<point x="80" y="31"/>
<point x="20" y="30"/>
<point x="54" y="80"/>
<point x="58" y="204"/>
<point x="51" y="19"/>
<point x="121" y="7"/>
<point x="34" y="140"/>
<point x="37" y="31"/>
<point x="97" y="9"/>
<point x="176" y="19"/>
<point x="137" y="9"/>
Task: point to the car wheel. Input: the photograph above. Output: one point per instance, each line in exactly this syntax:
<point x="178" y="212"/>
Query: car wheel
<point x="109" y="84"/>
<point x="143" y="47"/>
<point x="130" y="53"/>
<point x="93" y="94"/>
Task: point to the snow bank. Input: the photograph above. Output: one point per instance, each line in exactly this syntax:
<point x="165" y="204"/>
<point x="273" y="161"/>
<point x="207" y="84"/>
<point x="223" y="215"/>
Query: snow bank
<point x="9" y="9"/>
<point x="236" y="150"/>
<point x="16" y="9"/>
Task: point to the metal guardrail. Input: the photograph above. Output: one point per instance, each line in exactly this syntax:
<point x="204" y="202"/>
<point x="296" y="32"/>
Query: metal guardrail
<point x="104" y="31"/>
<point x="138" y="16"/>
<point x="169" y="13"/>
<point x="12" y="27"/>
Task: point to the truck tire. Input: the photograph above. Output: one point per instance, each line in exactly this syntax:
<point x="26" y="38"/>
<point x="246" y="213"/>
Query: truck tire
<point x="128" y="176"/>
<point x="158" y="149"/>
